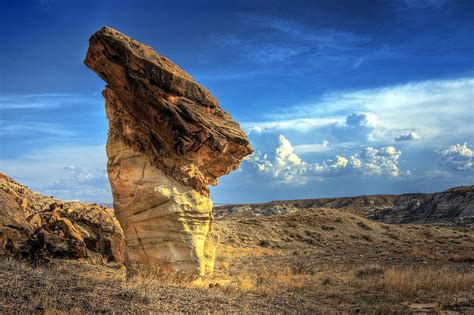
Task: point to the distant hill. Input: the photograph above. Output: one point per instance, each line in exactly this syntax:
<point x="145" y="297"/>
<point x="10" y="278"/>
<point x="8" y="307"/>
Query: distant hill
<point x="454" y="207"/>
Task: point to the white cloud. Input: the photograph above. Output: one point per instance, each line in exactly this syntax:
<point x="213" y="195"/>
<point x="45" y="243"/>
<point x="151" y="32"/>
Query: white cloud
<point x="41" y="169"/>
<point x="78" y="183"/>
<point x="381" y="161"/>
<point x="40" y="101"/>
<point x="442" y="109"/>
<point x="458" y="158"/>
<point x="288" y="167"/>
<point x="286" y="164"/>
<point x="274" y="40"/>
<point x="369" y="120"/>
<point x="9" y="128"/>
<point x="408" y="136"/>
<point x="320" y="38"/>
<point x="313" y="148"/>
<point x="299" y="125"/>
<point x="358" y="126"/>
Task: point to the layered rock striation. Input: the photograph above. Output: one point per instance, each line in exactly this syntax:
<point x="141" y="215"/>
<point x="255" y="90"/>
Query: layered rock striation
<point x="168" y="140"/>
<point x="451" y="207"/>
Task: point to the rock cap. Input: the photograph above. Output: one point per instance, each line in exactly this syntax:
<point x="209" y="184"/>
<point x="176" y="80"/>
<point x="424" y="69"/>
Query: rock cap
<point x="177" y="122"/>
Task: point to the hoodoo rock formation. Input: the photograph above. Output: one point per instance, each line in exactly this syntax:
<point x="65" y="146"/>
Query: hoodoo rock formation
<point x="168" y="140"/>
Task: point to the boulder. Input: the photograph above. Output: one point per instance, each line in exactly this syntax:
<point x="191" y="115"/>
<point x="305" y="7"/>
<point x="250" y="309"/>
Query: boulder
<point x="40" y="228"/>
<point x="168" y="141"/>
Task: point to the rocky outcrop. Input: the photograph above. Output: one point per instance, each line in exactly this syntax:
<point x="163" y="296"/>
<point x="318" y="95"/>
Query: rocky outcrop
<point x="451" y="207"/>
<point x="40" y="228"/>
<point x="168" y="140"/>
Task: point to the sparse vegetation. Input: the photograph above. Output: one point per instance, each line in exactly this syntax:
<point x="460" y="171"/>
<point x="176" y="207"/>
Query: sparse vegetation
<point x="369" y="271"/>
<point x="340" y="271"/>
<point x="462" y="257"/>
<point x="414" y="282"/>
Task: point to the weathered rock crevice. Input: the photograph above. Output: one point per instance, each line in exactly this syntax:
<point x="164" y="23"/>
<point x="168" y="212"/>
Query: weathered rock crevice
<point x="168" y="141"/>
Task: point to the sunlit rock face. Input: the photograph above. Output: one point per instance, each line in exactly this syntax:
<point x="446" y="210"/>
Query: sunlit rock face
<point x="168" y="140"/>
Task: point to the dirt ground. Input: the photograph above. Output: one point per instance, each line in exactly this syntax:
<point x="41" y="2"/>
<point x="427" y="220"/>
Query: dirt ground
<point x="315" y="261"/>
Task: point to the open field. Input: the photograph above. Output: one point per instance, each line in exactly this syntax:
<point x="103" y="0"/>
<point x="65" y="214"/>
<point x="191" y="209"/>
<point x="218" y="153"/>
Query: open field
<point x="314" y="261"/>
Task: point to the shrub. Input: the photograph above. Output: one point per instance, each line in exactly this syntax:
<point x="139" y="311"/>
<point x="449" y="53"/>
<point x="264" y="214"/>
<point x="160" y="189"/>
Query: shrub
<point x="327" y="280"/>
<point x="364" y="226"/>
<point x="369" y="271"/>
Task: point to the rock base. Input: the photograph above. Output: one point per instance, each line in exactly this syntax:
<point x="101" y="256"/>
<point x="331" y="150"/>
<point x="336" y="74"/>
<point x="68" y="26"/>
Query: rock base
<point x="164" y="221"/>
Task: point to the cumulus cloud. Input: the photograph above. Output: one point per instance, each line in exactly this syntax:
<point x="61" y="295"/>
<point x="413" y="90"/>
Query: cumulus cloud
<point x="408" y="137"/>
<point x="288" y="167"/>
<point x="368" y="120"/>
<point x="458" y="158"/>
<point x="358" y="126"/>
<point x="383" y="161"/>
<point x="286" y="164"/>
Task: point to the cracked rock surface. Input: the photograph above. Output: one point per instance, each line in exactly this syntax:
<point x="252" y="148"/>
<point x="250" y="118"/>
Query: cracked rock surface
<point x="168" y="140"/>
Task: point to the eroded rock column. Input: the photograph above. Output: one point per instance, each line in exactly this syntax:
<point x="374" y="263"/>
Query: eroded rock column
<point x="168" y="140"/>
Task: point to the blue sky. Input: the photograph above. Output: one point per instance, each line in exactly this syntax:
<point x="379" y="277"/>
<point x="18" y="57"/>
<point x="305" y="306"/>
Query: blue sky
<point x="339" y="98"/>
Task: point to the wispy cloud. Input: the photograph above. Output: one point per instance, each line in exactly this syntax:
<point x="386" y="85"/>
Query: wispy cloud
<point x="42" y="120"/>
<point x="422" y="4"/>
<point x="442" y="111"/>
<point x="318" y="38"/>
<point x="81" y="184"/>
<point x="24" y="128"/>
<point x="301" y="125"/>
<point x="277" y="40"/>
<point x="44" y="171"/>
<point x="42" y="101"/>
<point x="313" y="147"/>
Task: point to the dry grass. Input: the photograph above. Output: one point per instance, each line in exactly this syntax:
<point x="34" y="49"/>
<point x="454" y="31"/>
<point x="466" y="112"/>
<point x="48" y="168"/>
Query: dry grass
<point x="369" y="271"/>
<point x="140" y="290"/>
<point x="319" y="261"/>
<point x="414" y="282"/>
<point x="160" y="273"/>
<point x="462" y="257"/>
